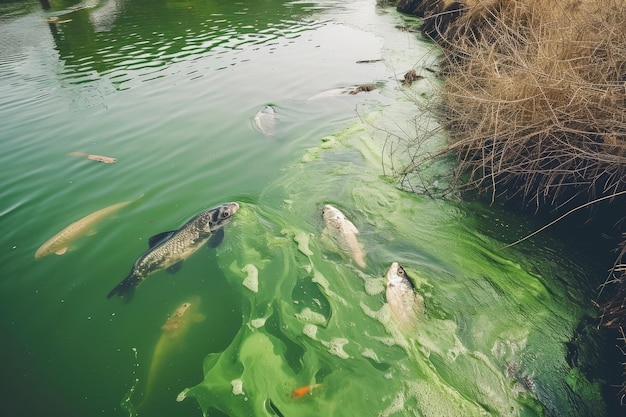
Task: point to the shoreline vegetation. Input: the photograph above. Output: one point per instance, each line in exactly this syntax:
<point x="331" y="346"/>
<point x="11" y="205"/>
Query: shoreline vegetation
<point x="534" y="104"/>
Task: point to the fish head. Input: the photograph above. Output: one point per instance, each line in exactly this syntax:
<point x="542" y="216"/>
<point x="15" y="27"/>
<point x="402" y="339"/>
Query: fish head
<point x="183" y="315"/>
<point x="220" y="216"/>
<point x="181" y="310"/>
<point x="396" y="276"/>
<point x="332" y="215"/>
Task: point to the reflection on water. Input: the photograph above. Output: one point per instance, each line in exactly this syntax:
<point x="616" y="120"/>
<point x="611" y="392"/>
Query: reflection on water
<point x="146" y="37"/>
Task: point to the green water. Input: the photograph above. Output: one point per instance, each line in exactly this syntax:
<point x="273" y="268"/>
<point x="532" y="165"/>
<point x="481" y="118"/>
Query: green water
<point x="170" y="89"/>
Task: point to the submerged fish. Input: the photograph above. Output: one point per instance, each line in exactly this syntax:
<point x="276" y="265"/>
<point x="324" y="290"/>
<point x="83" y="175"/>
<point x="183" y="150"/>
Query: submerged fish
<point x="265" y="120"/>
<point x="174" y="331"/>
<point x="343" y="232"/>
<point x="302" y="391"/>
<point x="168" y="250"/>
<point x="99" y="158"/>
<point x="59" y="243"/>
<point x="406" y="304"/>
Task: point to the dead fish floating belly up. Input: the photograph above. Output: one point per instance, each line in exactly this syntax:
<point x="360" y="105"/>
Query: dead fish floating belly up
<point x="405" y="303"/>
<point x="265" y="121"/>
<point x="168" y="250"/>
<point x="59" y="243"/>
<point x="343" y="232"/>
<point x="92" y="157"/>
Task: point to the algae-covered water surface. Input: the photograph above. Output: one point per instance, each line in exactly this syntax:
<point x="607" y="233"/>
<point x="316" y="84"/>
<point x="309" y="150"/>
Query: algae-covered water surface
<point x="279" y="318"/>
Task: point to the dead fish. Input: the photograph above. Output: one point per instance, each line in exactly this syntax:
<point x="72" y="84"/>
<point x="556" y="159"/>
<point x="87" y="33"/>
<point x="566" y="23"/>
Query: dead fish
<point x="343" y="232"/>
<point x="265" y="120"/>
<point x="175" y="330"/>
<point x="59" y="243"/>
<point x="99" y="158"/>
<point x="405" y="303"/>
<point x="168" y="250"/>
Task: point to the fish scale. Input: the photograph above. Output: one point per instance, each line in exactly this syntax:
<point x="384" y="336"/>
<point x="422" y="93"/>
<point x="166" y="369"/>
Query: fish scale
<point x="169" y="249"/>
<point x="173" y="250"/>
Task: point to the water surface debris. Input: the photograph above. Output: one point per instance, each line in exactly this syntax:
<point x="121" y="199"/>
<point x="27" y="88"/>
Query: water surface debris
<point x="93" y="157"/>
<point x="363" y="88"/>
<point x="251" y="281"/>
<point x="411" y="76"/>
<point x="59" y="243"/>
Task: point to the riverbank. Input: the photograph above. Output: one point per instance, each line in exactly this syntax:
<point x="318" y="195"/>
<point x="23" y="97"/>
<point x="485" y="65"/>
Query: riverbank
<point x="534" y="101"/>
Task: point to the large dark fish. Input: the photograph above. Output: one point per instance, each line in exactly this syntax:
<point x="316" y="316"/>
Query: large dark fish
<point x="168" y="250"/>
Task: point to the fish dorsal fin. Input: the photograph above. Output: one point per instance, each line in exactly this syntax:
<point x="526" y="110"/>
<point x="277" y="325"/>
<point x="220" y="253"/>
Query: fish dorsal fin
<point x="175" y="268"/>
<point x="61" y="251"/>
<point x="216" y="238"/>
<point x="154" y="240"/>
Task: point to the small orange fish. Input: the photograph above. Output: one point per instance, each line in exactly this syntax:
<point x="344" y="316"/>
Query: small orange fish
<point x="302" y="391"/>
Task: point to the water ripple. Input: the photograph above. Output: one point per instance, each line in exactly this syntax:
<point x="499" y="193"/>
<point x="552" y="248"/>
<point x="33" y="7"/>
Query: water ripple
<point x="137" y="42"/>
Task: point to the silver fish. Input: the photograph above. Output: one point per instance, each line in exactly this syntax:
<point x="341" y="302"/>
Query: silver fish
<point x="406" y="304"/>
<point x="265" y="120"/>
<point x="59" y="243"/>
<point x="343" y="232"/>
<point x="168" y="250"/>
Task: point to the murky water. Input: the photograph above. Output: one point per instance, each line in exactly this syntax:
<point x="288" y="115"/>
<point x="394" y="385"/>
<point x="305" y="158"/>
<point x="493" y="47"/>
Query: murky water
<point x="171" y="90"/>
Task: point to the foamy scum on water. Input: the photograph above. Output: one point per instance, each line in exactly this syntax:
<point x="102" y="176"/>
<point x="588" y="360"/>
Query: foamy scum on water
<point x="327" y="322"/>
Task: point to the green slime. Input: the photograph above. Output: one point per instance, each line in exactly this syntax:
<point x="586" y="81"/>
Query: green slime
<point x="492" y="342"/>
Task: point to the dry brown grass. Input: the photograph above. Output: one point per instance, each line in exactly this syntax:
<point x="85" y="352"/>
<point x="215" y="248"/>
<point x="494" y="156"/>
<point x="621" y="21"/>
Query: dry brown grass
<point x="535" y="97"/>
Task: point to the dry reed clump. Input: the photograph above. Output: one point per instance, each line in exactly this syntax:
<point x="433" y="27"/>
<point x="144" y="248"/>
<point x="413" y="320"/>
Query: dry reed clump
<point x="535" y="97"/>
<point x="535" y="102"/>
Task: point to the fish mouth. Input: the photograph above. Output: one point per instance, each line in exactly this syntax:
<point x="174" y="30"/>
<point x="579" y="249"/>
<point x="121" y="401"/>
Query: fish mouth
<point x="232" y="207"/>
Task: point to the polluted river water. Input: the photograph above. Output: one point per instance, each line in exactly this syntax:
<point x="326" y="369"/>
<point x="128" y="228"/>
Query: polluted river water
<point x="282" y="320"/>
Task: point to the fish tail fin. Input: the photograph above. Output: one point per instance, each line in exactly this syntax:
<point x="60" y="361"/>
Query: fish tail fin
<point x="125" y="289"/>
